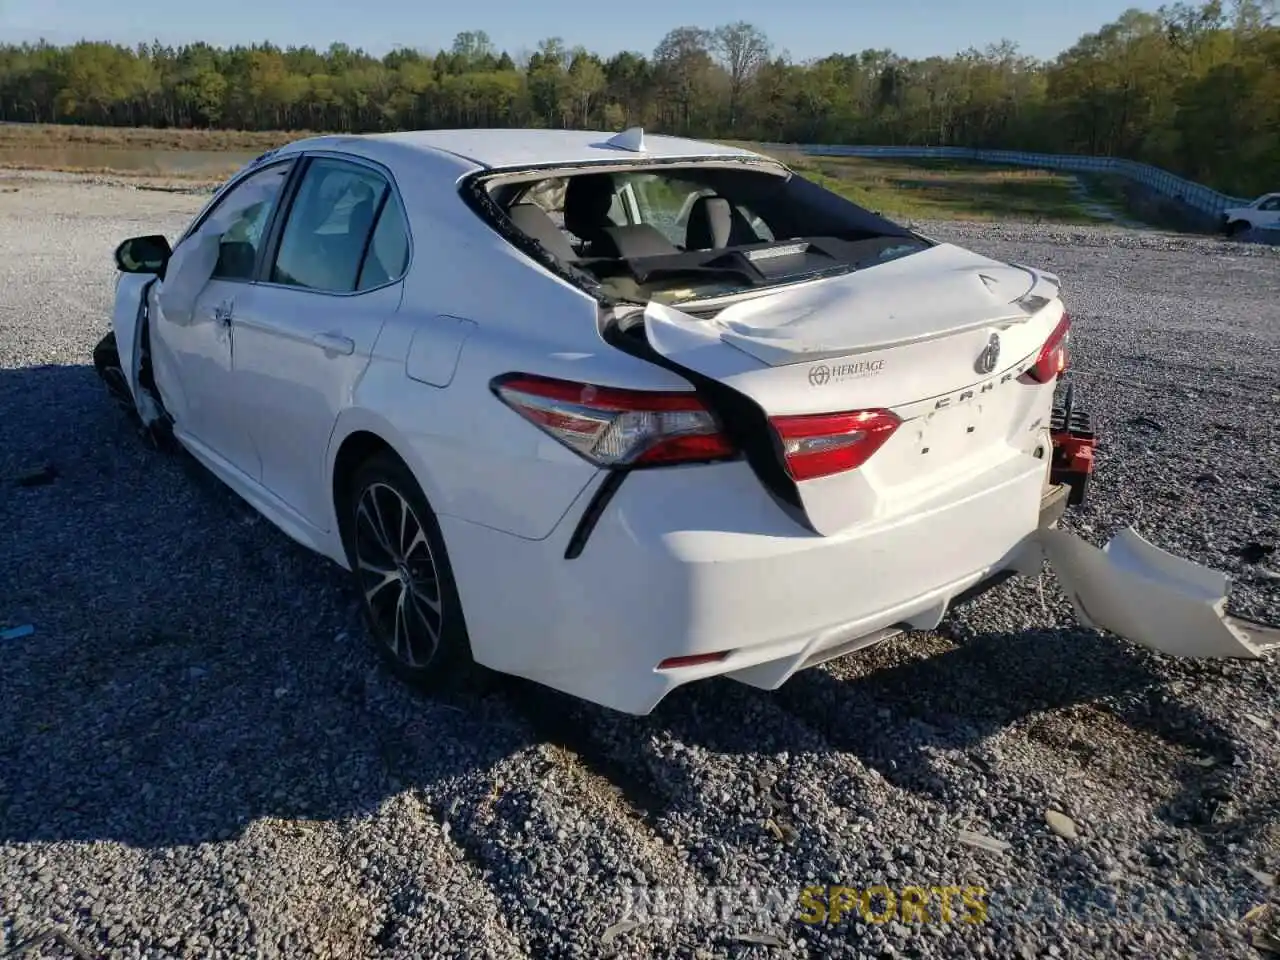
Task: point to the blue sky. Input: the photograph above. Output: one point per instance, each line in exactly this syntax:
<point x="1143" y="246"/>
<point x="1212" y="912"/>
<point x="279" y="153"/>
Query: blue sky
<point x="804" y="28"/>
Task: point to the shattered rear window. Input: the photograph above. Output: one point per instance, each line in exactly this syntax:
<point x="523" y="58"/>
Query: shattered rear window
<point x="676" y="233"/>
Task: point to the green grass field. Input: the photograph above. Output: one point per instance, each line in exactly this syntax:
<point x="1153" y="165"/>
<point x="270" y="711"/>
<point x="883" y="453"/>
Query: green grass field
<point x="198" y="155"/>
<point x="17" y="135"/>
<point x="950" y="190"/>
<point x="900" y="188"/>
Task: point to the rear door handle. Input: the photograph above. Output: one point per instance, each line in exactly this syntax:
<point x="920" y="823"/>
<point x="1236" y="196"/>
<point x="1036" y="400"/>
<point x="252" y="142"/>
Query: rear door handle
<point x="334" y="343"/>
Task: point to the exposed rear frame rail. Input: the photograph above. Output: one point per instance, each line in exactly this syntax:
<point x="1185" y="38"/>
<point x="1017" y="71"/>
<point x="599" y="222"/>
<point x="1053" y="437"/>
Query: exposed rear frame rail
<point x="1073" y="445"/>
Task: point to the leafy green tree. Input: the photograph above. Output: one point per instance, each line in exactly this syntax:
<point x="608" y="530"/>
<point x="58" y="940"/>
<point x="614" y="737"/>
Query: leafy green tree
<point x="1193" y="87"/>
<point x="742" y="49"/>
<point x="682" y="67"/>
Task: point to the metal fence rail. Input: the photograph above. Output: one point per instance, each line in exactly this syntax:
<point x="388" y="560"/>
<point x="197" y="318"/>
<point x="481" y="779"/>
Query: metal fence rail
<point x="1196" y="195"/>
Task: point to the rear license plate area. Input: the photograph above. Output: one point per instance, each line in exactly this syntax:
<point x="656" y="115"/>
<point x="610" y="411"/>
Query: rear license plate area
<point x="960" y="430"/>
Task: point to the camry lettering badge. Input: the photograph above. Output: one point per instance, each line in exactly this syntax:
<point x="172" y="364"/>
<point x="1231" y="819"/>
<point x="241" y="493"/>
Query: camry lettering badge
<point x="989" y="356"/>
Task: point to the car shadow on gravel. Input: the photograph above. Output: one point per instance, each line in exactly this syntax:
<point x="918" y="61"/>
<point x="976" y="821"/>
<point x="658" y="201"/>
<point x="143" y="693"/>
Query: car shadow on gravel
<point x="925" y="722"/>
<point x="957" y="699"/>
<point x="193" y="671"/>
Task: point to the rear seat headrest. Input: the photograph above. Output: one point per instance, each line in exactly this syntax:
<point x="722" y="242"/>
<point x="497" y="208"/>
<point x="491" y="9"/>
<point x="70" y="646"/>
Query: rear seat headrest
<point x="714" y="223"/>
<point x="710" y="222"/>
<point x="532" y="220"/>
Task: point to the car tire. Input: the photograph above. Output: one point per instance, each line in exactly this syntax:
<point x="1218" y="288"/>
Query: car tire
<point x="1237" y="227"/>
<point x="106" y="361"/>
<point x="403" y="576"/>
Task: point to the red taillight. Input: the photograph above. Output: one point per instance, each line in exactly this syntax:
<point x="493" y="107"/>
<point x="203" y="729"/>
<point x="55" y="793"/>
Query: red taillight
<point x="822" y="444"/>
<point x="1054" y="356"/>
<point x="612" y="427"/>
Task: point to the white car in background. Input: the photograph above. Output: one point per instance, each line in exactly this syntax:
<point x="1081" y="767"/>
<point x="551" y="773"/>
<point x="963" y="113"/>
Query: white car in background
<point x="1262" y="214"/>
<point x="617" y="413"/>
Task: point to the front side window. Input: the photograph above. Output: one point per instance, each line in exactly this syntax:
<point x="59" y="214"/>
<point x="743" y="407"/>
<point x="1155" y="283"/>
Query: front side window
<point x="328" y="229"/>
<point x="243" y="215"/>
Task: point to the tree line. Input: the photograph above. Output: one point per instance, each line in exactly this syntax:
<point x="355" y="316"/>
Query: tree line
<point x="1192" y="88"/>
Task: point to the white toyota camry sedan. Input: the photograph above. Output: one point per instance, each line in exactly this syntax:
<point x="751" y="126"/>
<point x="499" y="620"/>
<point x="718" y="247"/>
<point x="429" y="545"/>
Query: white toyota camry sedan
<point x="620" y="412"/>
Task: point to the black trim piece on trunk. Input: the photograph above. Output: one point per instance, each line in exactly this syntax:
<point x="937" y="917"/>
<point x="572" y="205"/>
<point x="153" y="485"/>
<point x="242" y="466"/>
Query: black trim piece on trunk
<point x="743" y="420"/>
<point x="595" y="509"/>
<point x="749" y="428"/>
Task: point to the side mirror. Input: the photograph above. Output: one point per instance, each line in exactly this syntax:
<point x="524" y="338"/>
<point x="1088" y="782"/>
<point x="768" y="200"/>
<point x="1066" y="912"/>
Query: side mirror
<point x="148" y="254"/>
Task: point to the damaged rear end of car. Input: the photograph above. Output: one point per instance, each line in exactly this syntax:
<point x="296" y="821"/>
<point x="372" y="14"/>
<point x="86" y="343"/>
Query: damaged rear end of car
<point x="869" y="433"/>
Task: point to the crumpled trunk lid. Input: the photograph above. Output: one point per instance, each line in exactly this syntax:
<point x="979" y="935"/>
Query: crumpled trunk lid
<point x="939" y="338"/>
<point x="938" y="292"/>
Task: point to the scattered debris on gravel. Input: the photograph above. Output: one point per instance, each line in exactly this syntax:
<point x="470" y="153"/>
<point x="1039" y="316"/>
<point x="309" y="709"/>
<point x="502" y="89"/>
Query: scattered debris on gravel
<point x="199" y="756"/>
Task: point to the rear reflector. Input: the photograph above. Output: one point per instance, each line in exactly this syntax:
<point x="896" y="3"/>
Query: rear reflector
<point x="613" y="427"/>
<point x="693" y="660"/>
<point x="1054" y="356"/>
<point x="819" y="445"/>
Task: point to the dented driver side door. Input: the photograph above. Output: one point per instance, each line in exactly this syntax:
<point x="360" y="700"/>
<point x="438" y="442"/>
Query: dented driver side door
<point x="210" y="280"/>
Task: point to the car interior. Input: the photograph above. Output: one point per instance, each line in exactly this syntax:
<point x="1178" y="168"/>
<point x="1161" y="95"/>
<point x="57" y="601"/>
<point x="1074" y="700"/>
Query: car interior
<point x="343" y="232"/>
<point x="326" y="236"/>
<point x="685" y="233"/>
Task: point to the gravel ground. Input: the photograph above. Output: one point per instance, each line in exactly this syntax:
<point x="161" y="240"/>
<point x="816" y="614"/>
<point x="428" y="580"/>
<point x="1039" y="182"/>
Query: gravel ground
<point x="199" y="757"/>
<point x="1262" y="235"/>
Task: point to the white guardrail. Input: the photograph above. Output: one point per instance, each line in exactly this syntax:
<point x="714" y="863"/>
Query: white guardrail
<point x="1195" y="195"/>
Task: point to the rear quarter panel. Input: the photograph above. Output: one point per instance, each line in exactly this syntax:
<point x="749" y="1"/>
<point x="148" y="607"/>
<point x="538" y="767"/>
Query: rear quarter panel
<point x="475" y="458"/>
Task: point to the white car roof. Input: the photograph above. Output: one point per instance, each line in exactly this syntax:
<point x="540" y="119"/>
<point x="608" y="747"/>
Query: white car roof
<point x="501" y="149"/>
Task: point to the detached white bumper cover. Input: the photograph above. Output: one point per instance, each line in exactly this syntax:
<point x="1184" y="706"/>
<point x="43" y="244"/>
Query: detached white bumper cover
<point x="1138" y="591"/>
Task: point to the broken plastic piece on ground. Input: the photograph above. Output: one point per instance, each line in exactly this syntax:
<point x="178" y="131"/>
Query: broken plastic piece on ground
<point x="972" y="838"/>
<point x="1142" y="593"/>
<point x="616" y="930"/>
<point x="764" y="939"/>
<point x="17" y="633"/>
<point x="49" y="935"/>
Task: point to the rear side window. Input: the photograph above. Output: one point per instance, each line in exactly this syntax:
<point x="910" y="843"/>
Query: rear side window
<point x="388" y="254"/>
<point x="329" y="227"/>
